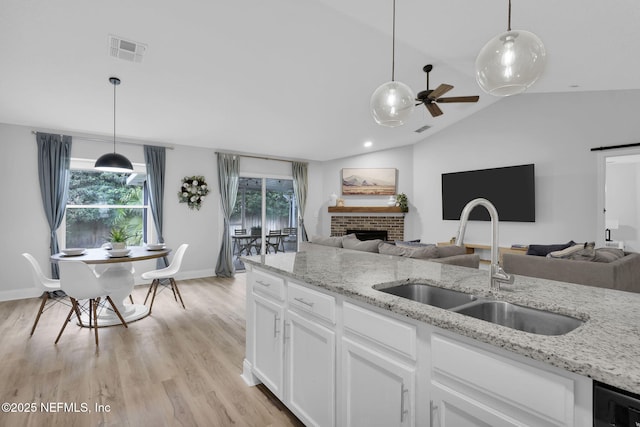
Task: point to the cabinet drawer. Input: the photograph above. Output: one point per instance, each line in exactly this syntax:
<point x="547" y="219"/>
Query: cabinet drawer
<point x="303" y="298"/>
<point x="268" y="284"/>
<point x="510" y="386"/>
<point x="390" y="333"/>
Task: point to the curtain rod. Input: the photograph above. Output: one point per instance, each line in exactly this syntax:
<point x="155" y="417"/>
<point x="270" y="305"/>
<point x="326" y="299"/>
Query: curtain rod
<point x="110" y="141"/>
<point x="613" y="147"/>
<point x="275" y="159"/>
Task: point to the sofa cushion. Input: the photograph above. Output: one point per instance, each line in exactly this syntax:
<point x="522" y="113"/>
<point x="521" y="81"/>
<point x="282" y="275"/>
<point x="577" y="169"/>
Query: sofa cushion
<point x="412" y="244"/>
<point x="451" y="250"/>
<point x="544" y="250"/>
<point x="350" y="241"/>
<point x="425" y="252"/>
<point x="327" y="241"/>
<point x="608" y="254"/>
<point x="390" y="249"/>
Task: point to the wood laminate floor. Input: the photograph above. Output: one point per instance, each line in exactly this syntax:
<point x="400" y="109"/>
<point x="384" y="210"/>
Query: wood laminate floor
<point x="174" y="368"/>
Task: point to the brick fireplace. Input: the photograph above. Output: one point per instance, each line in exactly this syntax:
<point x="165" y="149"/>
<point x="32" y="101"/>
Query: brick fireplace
<point x="393" y="224"/>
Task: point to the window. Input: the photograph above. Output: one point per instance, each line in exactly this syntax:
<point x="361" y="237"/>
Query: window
<point x="99" y="201"/>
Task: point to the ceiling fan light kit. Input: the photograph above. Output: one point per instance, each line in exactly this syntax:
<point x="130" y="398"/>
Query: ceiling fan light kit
<point x="510" y="62"/>
<point x="113" y="162"/>
<point x="392" y="102"/>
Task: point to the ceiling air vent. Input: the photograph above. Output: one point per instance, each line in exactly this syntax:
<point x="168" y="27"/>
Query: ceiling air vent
<point x="126" y="49"/>
<point x="422" y="129"/>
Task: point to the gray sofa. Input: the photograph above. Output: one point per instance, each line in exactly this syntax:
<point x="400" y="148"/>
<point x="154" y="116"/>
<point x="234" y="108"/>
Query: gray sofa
<point x="622" y="274"/>
<point x="451" y="255"/>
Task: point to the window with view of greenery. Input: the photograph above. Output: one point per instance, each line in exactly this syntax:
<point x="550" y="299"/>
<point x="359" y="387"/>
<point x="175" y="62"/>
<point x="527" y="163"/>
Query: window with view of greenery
<point x="99" y="201"/>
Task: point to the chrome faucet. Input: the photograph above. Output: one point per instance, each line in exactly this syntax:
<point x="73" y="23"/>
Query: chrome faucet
<point x="498" y="275"/>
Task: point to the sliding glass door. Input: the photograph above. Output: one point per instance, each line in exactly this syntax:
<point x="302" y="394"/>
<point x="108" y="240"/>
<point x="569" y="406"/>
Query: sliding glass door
<point x="264" y="219"/>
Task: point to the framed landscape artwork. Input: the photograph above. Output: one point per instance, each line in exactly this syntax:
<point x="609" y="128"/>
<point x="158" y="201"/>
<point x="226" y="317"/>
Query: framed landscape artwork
<point x="369" y="182"/>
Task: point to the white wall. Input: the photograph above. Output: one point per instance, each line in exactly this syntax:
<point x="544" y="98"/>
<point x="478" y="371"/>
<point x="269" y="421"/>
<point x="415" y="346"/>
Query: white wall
<point x="554" y="131"/>
<point x="400" y="158"/>
<point x="24" y="227"/>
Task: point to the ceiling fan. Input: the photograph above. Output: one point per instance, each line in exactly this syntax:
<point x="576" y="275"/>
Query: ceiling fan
<point x="430" y="97"/>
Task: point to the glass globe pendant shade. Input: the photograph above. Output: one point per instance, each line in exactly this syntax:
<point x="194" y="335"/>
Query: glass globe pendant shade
<point x="392" y="103"/>
<point x="113" y="162"/>
<point x="510" y="62"/>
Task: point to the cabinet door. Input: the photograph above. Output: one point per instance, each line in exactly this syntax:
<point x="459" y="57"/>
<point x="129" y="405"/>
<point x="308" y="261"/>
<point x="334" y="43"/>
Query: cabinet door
<point x="268" y="343"/>
<point x="310" y="370"/>
<point x="378" y="390"/>
<point x="456" y="410"/>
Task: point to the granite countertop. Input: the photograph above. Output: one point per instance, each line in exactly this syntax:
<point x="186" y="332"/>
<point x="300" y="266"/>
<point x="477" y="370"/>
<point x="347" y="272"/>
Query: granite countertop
<point x="606" y="347"/>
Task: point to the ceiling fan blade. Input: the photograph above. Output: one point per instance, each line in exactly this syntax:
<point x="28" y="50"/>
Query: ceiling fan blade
<point x="439" y="91"/>
<point x="433" y="109"/>
<point x="459" y="99"/>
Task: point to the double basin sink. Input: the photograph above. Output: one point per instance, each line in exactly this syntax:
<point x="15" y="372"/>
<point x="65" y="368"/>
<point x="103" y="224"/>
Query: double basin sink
<point x="498" y="312"/>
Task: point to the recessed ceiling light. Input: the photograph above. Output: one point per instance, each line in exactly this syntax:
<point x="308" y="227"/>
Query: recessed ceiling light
<point x="368" y="144"/>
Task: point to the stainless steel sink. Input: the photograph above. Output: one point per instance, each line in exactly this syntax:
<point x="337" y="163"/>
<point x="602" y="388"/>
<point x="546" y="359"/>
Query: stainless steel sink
<point x="431" y="295"/>
<point x="519" y="317"/>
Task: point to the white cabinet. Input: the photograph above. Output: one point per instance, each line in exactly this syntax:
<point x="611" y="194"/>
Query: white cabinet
<point x="377" y="390"/>
<point x="378" y="369"/>
<point x="268" y="361"/>
<point x="471" y="386"/>
<point x="310" y="375"/>
<point x="291" y="346"/>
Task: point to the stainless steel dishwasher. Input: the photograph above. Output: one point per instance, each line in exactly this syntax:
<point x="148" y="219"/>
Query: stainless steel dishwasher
<point x="614" y="407"/>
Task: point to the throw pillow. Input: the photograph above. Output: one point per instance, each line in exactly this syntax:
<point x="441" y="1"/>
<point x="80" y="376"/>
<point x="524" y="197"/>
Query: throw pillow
<point x="350" y="241"/>
<point x="608" y="254"/>
<point x="575" y="250"/>
<point x="451" y="250"/>
<point x="587" y="253"/>
<point x="336" y="242"/>
<point x="544" y="250"/>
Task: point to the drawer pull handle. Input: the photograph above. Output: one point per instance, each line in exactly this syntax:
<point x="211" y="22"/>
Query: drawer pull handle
<point x="302" y="301"/>
<point x="263" y="283"/>
<point x="275" y="326"/>
<point x="403" y="411"/>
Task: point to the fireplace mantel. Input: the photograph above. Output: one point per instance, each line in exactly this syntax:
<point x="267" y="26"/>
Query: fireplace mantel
<point x="365" y="209"/>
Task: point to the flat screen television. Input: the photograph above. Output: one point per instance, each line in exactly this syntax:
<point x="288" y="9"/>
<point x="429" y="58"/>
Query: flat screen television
<point x="511" y="190"/>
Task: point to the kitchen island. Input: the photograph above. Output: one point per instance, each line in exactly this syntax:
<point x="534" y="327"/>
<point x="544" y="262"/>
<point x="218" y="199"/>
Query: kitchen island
<point x="606" y="347"/>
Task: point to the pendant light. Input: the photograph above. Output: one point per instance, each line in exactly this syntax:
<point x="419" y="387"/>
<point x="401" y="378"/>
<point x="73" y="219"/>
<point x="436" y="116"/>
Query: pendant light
<point x="510" y="62"/>
<point x="114" y="162"/>
<point x="392" y="102"/>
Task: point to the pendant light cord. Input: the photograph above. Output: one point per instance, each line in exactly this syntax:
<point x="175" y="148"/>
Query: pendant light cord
<point x="393" y="44"/>
<point x="509" y="19"/>
<point x="114" y="117"/>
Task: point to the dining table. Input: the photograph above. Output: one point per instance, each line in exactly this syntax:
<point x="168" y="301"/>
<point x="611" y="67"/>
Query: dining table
<point x="117" y="277"/>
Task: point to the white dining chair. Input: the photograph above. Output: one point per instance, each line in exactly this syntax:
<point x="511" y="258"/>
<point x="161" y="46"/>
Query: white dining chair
<point x="80" y="282"/>
<point x="45" y="284"/>
<point x="166" y="273"/>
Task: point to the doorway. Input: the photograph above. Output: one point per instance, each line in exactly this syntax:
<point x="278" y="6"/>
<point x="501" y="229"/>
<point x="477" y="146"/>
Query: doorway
<point x="619" y="202"/>
<point x="266" y="213"/>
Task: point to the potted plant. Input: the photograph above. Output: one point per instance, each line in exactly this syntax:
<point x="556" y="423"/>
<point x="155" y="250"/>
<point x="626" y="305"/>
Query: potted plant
<point x="402" y="202"/>
<point x="118" y="237"/>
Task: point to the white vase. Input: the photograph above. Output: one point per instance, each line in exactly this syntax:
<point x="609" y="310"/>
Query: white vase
<point x="118" y="245"/>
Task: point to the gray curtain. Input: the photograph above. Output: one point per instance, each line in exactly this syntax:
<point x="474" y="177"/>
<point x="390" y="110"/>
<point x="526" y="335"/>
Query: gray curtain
<point x="155" y="160"/>
<point x="228" y="175"/>
<point x="300" y="184"/>
<point x="54" y="159"/>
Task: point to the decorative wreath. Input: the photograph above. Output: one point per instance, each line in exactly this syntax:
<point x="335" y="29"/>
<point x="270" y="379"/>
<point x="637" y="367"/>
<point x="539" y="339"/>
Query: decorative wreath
<point x="193" y="190"/>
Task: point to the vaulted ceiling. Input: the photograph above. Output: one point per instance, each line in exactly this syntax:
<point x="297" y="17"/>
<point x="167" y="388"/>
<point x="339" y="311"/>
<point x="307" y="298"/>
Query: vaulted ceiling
<point x="287" y="78"/>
